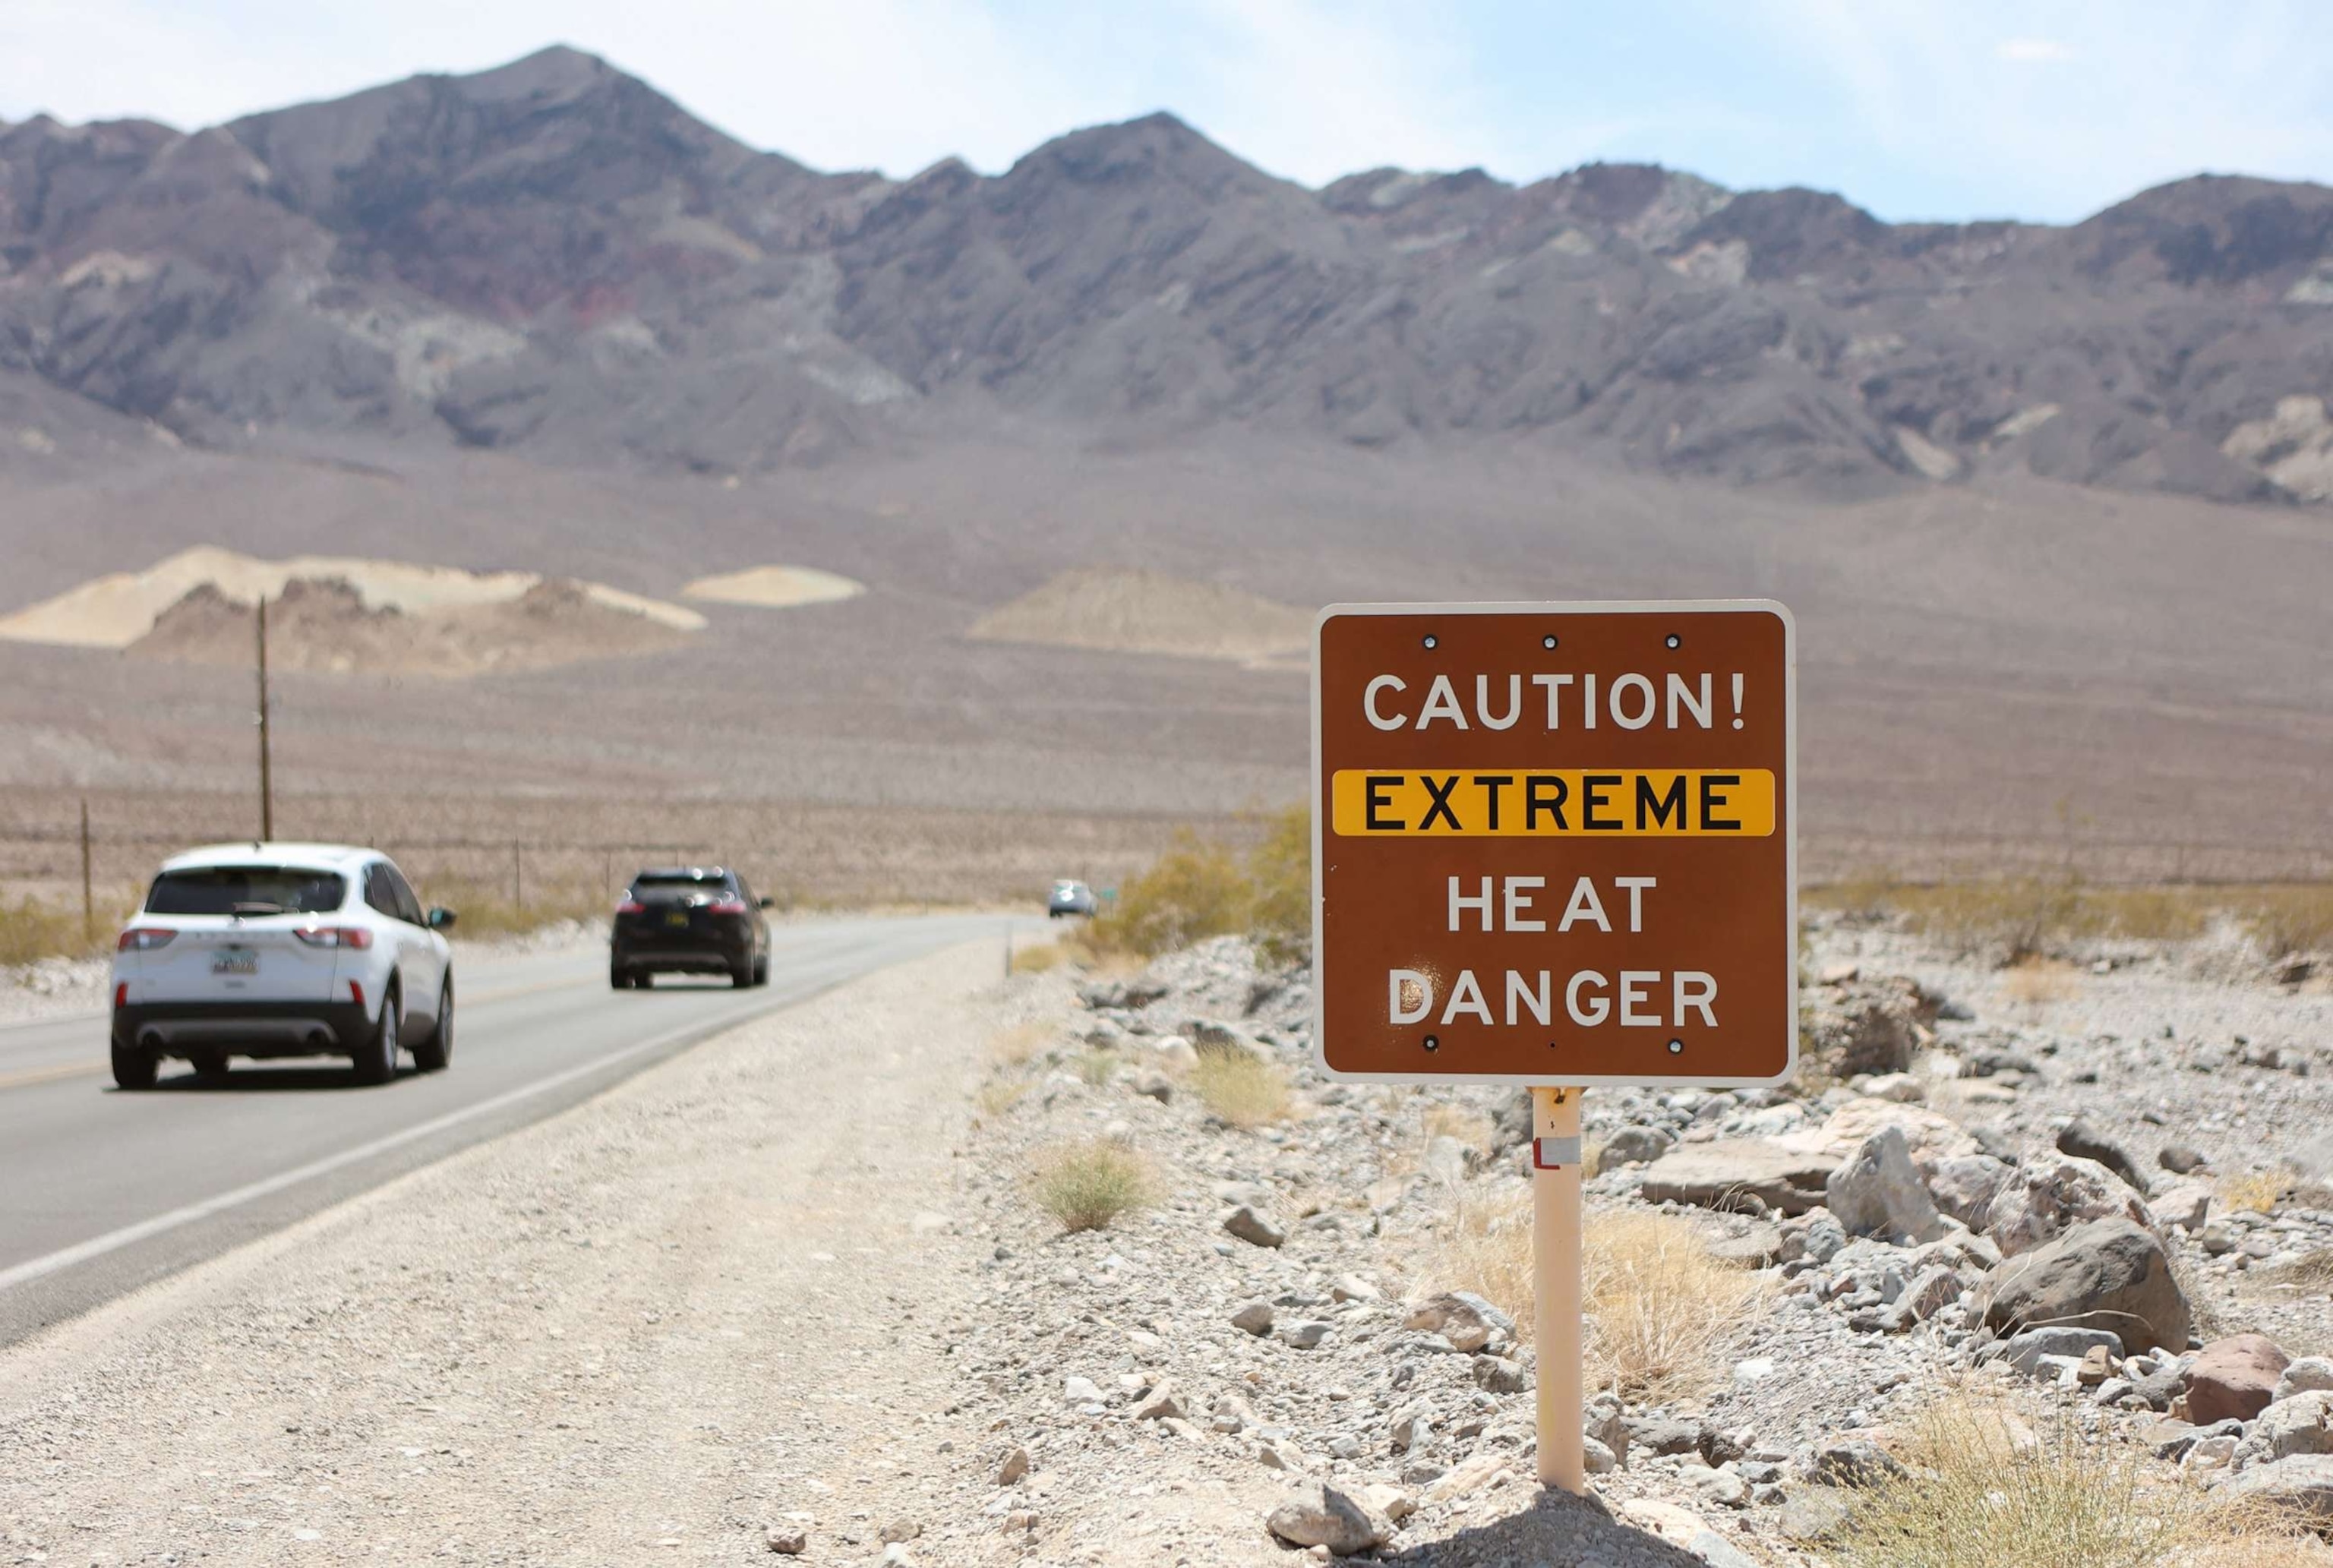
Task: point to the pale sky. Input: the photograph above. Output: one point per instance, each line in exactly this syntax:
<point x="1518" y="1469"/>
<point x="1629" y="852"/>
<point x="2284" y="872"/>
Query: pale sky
<point x="1916" y="109"/>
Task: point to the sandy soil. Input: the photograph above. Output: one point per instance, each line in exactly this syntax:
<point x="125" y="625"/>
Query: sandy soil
<point x="775" y="587"/>
<point x="647" y="1329"/>
<point x="1143" y="612"/>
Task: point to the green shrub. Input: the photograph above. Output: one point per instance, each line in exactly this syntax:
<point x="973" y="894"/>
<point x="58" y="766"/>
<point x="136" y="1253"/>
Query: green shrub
<point x="1087" y="1185"/>
<point x="1203" y="887"/>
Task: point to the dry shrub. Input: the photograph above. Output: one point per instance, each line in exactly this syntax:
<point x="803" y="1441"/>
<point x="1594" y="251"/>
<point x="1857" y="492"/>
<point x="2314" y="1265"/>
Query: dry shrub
<point x="2291" y="919"/>
<point x="1203" y="887"/>
<point x="488" y="911"/>
<point x="1981" y="1488"/>
<point x="31" y="931"/>
<point x="2257" y="1193"/>
<point x="1469" y="1127"/>
<point x="1037" y="960"/>
<point x="1085" y="1186"/>
<point x="1097" y="1067"/>
<point x="1016" y="1047"/>
<point x="2039" y="981"/>
<point x="999" y="1095"/>
<point x="2312" y="1270"/>
<point x="1239" y="1087"/>
<point x="1661" y="1311"/>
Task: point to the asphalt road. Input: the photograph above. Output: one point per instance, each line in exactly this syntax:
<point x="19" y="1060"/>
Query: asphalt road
<point x="102" y="1191"/>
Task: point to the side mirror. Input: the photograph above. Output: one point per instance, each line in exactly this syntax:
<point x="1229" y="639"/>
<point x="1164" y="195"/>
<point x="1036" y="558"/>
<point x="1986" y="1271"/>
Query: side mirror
<point x="440" y="918"/>
<point x="767" y="903"/>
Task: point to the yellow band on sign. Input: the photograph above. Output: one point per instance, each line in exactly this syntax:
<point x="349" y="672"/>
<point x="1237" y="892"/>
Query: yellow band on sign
<point x="1554" y="803"/>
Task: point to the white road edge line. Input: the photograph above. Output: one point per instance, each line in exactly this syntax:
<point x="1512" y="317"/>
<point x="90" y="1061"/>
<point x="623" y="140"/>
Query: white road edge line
<point x="113" y="1240"/>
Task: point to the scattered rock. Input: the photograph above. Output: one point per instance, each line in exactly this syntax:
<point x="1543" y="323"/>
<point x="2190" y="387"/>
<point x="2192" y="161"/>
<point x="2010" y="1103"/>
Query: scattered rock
<point x="2303" y="1482"/>
<point x="2309" y="1374"/>
<point x="2302" y="1424"/>
<point x="1466" y="1320"/>
<point x="1865" y="1027"/>
<point x="1500" y="1375"/>
<point x="1254" y="1228"/>
<point x="2025" y="1351"/>
<point x="1305" y="1335"/>
<point x="1254" y="1318"/>
<point x="2050" y="1193"/>
<point x="1758" y="1174"/>
<point x="1879" y="1192"/>
<point x="2084" y="1142"/>
<point x="1632" y="1147"/>
<point x="787" y="1540"/>
<point x="2180" y="1159"/>
<point x="2234" y="1379"/>
<point x="2105" y="1274"/>
<point x="1854" y="1462"/>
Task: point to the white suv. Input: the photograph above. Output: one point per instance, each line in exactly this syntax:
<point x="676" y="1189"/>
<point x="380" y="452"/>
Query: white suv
<point x="282" y="949"/>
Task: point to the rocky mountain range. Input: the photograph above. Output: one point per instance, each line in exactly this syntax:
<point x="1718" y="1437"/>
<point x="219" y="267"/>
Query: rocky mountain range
<point x="554" y="260"/>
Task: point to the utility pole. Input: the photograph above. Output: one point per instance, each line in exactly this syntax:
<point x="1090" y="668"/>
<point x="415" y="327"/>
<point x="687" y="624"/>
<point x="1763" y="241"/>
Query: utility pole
<point x="88" y="904"/>
<point x="266" y="784"/>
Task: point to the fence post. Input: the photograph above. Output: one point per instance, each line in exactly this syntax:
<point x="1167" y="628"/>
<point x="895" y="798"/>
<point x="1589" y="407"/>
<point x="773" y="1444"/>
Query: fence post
<point x="518" y="879"/>
<point x="88" y="902"/>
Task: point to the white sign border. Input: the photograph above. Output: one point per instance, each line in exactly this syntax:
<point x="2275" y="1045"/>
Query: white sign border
<point x="1789" y="791"/>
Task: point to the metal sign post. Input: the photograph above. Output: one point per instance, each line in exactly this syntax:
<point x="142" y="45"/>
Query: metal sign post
<point x="1554" y="845"/>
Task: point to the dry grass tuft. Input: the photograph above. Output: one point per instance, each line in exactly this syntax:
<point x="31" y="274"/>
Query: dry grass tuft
<point x="2292" y="919"/>
<point x="1661" y="1311"/>
<point x="1097" y="1067"/>
<point x="2032" y="915"/>
<point x="1469" y="1127"/>
<point x="1982" y="1489"/>
<point x="1037" y="960"/>
<point x="999" y="1095"/>
<point x="1085" y="1186"/>
<point x="2039" y="981"/>
<point x="1238" y="1087"/>
<point x="31" y="931"/>
<point x="492" y="912"/>
<point x="2258" y="1192"/>
<point x="2310" y="1271"/>
<point x="1018" y="1045"/>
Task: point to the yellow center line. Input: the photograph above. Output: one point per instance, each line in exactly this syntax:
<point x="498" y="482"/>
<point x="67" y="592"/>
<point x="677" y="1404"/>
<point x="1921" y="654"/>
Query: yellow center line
<point x="27" y="1078"/>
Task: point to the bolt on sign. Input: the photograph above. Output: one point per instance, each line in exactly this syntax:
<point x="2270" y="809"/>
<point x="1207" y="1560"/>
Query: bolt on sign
<point x="1556" y="843"/>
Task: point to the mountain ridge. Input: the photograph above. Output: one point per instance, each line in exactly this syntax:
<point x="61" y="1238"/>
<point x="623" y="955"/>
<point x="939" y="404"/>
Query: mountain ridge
<point x="553" y="258"/>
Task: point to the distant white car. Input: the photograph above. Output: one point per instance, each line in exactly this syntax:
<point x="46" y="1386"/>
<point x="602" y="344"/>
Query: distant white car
<point x="282" y="949"/>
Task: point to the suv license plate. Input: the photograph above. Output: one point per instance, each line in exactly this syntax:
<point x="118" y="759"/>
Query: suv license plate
<point x="676" y="917"/>
<point x="235" y="961"/>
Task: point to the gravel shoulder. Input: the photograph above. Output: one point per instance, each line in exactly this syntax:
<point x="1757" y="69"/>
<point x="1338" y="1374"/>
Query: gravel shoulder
<point x="652" y="1328"/>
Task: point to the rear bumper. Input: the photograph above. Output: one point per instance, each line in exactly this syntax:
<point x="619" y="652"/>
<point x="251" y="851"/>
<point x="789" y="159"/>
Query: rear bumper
<point x="245" y="1028"/>
<point x="696" y="959"/>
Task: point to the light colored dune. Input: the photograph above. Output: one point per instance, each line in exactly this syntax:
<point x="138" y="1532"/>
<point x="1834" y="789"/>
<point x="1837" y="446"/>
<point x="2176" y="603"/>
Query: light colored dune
<point x="1141" y="612"/>
<point x="116" y="610"/>
<point x="775" y="587"/>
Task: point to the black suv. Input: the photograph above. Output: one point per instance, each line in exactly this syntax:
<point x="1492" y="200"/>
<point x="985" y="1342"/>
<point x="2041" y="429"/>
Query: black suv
<point x="697" y="920"/>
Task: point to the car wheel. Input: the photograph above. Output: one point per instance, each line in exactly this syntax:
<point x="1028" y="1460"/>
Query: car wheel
<point x="209" y="1064"/>
<point x="133" y="1068"/>
<point x="376" y="1060"/>
<point x="432" y="1055"/>
<point x="741" y="975"/>
<point x="762" y="970"/>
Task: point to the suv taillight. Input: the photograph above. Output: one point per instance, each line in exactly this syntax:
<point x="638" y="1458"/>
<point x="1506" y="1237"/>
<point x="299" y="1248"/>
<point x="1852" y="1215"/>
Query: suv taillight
<point x="143" y="939"/>
<point x="726" y="906"/>
<point x="355" y="936"/>
<point x="631" y="907"/>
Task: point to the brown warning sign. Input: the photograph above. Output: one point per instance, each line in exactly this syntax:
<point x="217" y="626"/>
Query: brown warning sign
<point x="1555" y="843"/>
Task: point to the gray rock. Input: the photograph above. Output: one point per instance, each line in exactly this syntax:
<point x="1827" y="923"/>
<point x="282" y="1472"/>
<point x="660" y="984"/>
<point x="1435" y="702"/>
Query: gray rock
<point x="1306" y="1336"/>
<point x="1500" y="1375"/>
<point x="1078" y="1390"/>
<point x="1865" y="1027"/>
<point x="2302" y="1424"/>
<point x="787" y="1540"/>
<point x="2024" y="1351"/>
<point x="1825" y="1236"/>
<point x="2303" y="1482"/>
<point x="2079" y="1139"/>
<point x="1662" y="1434"/>
<point x="1880" y="1193"/>
<point x="2310" y="1375"/>
<point x="1936" y="1289"/>
<point x="1964" y="1187"/>
<point x="1254" y="1318"/>
<point x="1328" y="1516"/>
<point x="1758" y="1247"/>
<point x="1635" y="1146"/>
<point x="1156" y="1086"/>
<point x="2180" y="1159"/>
<point x="1854" y="1462"/>
<point x="1598" y="1459"/>
<point x="1754" y="1173"/>
<point x="1466" y="1320"/>
<point x="1254" y="1228"/>
<point x="2051" y="1194"/>
<point x="2107" y="1274"/>
<point x="1813" y="1514"/>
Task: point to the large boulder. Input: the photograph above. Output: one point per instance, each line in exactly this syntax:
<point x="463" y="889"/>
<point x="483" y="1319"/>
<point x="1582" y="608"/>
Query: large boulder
<point x="1879" y="1192"/>
<point x="2050" y="1193"/>
<point x="2084" y="1142"/>
<point x="1871" y="1026"/>
<point x="1964" y="1187"/>
<point x="1329" y="1516"/>
<point x="2302" y="1424"/>
<point x="1931" y="1136"/>
<point x="2109" y="1274"/>
<point x="2303" y="1483"/>
<point x="1728" y="1172"/>
<point x="2234" y="1379"/>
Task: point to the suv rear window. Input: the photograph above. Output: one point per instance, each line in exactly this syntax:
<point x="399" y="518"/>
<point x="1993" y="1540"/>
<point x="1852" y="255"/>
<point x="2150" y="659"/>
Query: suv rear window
<point x="246" y="889"/>
<point x="670" y="882"/>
